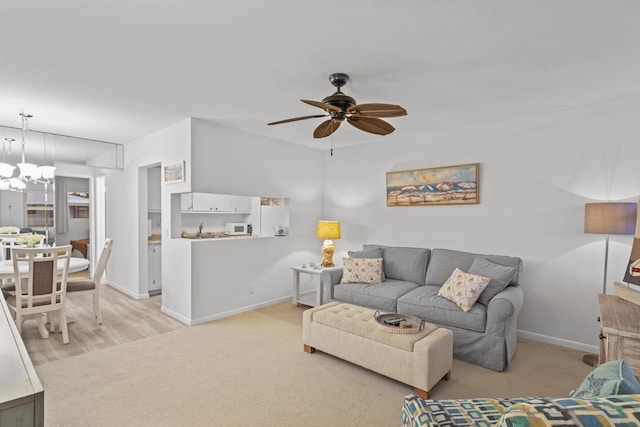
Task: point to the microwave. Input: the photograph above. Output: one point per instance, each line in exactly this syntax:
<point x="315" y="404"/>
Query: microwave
<point x="234" y="228"/>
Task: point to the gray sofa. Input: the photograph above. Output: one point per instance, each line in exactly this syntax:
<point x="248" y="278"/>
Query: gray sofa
<point x="485" y="335"/>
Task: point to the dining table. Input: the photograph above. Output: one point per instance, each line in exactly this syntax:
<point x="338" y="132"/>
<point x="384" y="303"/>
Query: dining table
<point x="75" y="265"/>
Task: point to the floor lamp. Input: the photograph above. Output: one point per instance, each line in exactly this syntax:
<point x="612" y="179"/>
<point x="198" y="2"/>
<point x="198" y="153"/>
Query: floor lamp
<point x="608" y="218"/>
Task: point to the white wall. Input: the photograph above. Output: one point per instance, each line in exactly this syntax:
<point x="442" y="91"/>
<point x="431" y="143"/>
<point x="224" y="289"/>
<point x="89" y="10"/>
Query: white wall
<point x="126" y="218"/>
<point x="210" y="279"/>
<point x="535" y="177"/>
<point x="230" y="162"/>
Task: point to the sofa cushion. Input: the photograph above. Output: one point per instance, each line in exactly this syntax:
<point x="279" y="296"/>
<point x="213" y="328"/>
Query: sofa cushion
<point x="424" y="302"/>
<point x="382" y="296"/>
<point x="401" y="263"/>
<point x="361" y="270"/>
<point x="500" y="276"/>
<point x="371" y="253"/>
<point x="444" y="261"/>
<point x="463" y="288"/>
<point x="611" y="378"/>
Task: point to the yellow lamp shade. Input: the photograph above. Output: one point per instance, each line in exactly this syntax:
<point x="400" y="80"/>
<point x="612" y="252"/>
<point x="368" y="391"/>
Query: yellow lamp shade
<point x="328" y="230"/>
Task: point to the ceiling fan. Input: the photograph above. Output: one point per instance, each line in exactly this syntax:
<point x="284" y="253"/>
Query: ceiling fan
<point x="341" y="107"/>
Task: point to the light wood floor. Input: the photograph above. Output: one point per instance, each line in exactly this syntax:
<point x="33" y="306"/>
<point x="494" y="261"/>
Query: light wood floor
<point x="124" y="319"/>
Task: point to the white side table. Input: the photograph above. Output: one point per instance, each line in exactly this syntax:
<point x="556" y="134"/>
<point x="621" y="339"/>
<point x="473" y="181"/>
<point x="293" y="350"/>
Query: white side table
<point x="307" y="299"/>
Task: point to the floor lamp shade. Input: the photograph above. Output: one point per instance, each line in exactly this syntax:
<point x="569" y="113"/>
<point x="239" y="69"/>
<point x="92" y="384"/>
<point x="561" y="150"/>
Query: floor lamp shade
<point x="610" y="218"/>
<point x="328" y="230"/>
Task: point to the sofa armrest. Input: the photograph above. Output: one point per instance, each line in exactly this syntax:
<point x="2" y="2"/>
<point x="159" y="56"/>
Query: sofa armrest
<point x="331" y="276"/>
<point x="503" y="309"/>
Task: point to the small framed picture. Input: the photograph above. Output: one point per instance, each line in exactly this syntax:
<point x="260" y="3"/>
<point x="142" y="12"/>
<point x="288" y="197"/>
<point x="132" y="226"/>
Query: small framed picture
<point x="173" y="172"/>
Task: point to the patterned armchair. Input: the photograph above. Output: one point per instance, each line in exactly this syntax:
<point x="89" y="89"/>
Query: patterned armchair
<point x="608" y="396"/>
<point x="622" y="410"/>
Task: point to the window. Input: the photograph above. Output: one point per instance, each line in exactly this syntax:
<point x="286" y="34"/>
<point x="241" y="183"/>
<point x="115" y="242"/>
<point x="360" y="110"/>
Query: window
<point x="79" y="211"/>
<point x="39" y="209"/>
<point x="78" y="204"/>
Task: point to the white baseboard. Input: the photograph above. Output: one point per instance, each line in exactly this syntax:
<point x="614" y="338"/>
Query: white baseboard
<point x="244" y="309"/>
<point x="126" y="291"/>
<point x="176" y="316"/>
<point x="559" y="341"/>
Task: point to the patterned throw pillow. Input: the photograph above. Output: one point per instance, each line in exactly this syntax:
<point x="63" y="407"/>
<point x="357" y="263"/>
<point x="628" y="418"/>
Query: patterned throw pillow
<point x="368" y="253"/>
<point x="361" y="270"/>
<point x="463" y="288"/>
<point x="611" y="378"/>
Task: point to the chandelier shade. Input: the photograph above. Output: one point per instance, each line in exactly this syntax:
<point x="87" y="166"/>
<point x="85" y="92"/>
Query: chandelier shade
<point x="6" y="170"/>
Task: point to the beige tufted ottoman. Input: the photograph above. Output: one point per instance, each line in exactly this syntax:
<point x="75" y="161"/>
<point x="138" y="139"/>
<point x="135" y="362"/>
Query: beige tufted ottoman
<point x="351" y="333"/>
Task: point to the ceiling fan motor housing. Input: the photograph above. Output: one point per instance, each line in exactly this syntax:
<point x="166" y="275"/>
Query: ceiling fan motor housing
<point x="340" y="100"/>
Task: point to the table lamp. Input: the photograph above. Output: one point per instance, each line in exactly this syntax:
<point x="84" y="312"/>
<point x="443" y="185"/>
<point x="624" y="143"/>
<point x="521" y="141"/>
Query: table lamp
<point x="328" y="230"/>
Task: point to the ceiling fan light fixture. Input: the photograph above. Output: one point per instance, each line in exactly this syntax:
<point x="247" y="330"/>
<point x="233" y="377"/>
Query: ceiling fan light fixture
<point x="340" y="107"/>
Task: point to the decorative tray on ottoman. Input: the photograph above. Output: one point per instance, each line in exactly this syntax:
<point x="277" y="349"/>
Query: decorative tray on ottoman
<point x="396" y="323"/>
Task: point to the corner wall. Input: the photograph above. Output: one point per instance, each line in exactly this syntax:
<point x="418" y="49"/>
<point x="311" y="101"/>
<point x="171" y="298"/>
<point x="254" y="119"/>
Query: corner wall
<point x="535" y="177"/>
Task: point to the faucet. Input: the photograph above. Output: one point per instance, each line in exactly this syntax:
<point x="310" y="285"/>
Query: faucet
<point x="200" y="230"/>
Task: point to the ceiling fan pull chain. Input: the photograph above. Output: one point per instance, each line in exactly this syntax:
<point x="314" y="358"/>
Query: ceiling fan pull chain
<point x="332" y="138"/>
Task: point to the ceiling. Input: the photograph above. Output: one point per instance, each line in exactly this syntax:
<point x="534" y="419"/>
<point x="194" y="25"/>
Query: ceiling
<point x="119" y="70"/>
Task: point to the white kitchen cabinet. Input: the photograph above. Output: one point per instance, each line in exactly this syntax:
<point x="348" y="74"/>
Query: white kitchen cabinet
<point x="155" y="268"/>
<point x="203" y="202"/>
<point x="241" y="204"/>
<point x="221" y="203"/>
<point x="186" y="202"/>
<point x="214" y="203"/>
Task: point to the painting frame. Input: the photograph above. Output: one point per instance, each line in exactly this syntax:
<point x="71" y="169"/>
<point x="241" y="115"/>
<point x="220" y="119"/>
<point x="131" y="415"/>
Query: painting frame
<point x="173" y="172"/>
<point x="434" y="186"/>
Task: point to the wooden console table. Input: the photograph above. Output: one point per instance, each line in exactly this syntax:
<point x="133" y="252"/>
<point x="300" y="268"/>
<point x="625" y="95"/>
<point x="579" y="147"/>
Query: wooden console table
<point x="619" y="331"/>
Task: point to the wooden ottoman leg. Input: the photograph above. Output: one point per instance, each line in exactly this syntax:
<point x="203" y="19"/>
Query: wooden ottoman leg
<point x="421" y="393"/>
<point x="309" y="349"/>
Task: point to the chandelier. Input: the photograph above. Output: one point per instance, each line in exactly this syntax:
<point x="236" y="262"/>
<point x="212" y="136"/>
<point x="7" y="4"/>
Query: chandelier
<point x="28" y="172"/>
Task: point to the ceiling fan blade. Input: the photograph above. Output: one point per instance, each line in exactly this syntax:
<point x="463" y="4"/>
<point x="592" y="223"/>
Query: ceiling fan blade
<point x="326" y="128"/>
<point x="377" y="110"/>
<point x="371" y="125"/>
<point x="327" y="107"/>
<point x="297" y="118"/>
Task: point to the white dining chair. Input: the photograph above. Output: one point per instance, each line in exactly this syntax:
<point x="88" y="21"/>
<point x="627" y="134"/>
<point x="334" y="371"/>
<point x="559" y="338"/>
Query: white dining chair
<point x="41" y="289"/>
<point x="92" y="285"/>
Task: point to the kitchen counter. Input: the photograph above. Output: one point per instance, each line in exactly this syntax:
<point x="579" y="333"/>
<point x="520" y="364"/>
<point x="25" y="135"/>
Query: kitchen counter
<point x="195" y="238"/>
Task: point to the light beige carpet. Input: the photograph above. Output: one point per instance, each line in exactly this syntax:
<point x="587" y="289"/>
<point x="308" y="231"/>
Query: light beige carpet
<point x="250" y="369"/>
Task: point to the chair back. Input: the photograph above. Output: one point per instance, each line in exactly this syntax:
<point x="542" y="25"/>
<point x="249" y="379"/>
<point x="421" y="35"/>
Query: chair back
<point x="36" y="272"/>
<point x="102" y="262"/>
